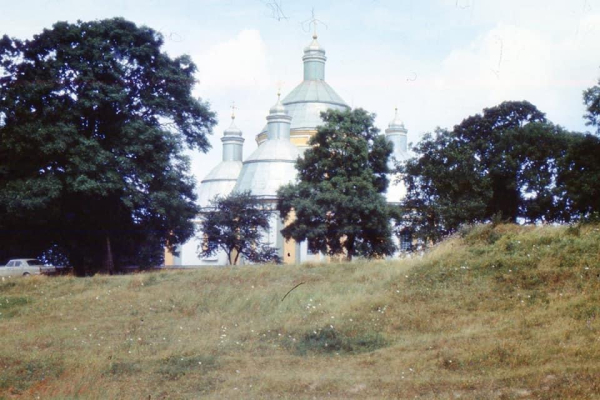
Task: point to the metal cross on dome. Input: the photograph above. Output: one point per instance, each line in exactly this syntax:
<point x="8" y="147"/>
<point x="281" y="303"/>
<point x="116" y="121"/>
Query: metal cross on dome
<point x="233" y="108"/>
<point x="279" y="85"/>
<point x="314" y="22"/>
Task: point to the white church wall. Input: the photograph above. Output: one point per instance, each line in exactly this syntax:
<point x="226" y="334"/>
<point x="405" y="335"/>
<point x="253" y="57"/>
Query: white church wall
<point x="188" y="253"/>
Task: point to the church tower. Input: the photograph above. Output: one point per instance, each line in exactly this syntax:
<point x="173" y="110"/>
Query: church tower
<point x="396" y="134"/>
<point x="220" y="181"/>
<point x="222" y="178"/>
<point x="312" y="96"/>
<point x="271" y="166"/>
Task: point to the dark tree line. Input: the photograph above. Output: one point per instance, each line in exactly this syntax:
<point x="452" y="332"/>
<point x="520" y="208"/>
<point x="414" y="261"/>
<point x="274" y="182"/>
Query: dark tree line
<point x="94" y="119"/>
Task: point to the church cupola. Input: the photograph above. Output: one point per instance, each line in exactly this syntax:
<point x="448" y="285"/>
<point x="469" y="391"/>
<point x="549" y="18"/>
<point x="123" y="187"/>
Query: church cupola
<point x="278" y="121"/>
<point x="272" y="164"/>
<point x="233" y="142"/>
<point x="223" y="177"/>
<point x="314" y="61"/>
<point x="309" y="98"/>
<point x="396" y="133"/>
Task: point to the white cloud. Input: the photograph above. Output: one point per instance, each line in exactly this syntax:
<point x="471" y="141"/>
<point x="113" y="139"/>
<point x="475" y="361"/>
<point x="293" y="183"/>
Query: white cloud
<point x="240" y="62"/>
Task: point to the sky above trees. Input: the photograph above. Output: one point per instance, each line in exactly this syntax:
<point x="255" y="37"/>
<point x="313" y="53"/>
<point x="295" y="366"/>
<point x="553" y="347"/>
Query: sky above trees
<point x="438" y="61"/>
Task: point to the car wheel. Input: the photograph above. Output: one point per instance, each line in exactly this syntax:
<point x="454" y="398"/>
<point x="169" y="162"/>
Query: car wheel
<point x="26" y="274"/>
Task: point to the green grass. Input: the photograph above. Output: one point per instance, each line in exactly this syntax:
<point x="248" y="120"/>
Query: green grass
<point x="500" y="312"/>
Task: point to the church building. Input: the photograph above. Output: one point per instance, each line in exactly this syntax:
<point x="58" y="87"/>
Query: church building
<point x="290" y="124"/>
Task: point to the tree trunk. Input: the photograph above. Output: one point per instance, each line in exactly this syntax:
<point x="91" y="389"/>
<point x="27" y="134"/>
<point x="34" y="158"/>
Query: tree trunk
<point x="109" y="266"/>
<point x="237" y="256"/>
<point x="349" y="248"/>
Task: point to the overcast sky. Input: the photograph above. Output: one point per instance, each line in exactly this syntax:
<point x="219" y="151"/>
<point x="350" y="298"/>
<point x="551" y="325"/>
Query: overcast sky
<point x="438" y="61"/>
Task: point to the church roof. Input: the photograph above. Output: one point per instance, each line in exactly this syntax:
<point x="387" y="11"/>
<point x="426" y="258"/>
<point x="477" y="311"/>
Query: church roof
<point x="220" y="181"/>
<point x="271" y="166"/>
<point x="308" y="99"/>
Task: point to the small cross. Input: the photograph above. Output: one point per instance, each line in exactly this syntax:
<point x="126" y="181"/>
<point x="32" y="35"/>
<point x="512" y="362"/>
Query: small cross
<point x="314" y="22"/>
<point x="233" y="108"/>
<point x="279" y="85"/>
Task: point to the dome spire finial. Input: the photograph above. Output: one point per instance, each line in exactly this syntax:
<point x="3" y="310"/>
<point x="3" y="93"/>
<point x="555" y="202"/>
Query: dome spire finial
<point x="278" y="108"/>
<point x="314" y="22"/>
<point x="396" y="124"/>
<point x="233" y="108"/>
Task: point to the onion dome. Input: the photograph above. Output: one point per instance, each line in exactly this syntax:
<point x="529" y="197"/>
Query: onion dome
<point x="396" y="133"/>
<point x="312" y="96"/>
<point x="233" y="130"/>
<point x="273" y="164"/>
<point x="221" y="180"/>
<point x="278" y="108"/>
<point x="396" y="124"/>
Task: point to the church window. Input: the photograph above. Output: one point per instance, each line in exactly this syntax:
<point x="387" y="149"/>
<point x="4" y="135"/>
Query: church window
<point x="406" y="240"/>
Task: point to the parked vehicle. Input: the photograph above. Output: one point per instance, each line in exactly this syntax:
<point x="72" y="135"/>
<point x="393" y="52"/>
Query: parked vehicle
<point x="26" y="266"/>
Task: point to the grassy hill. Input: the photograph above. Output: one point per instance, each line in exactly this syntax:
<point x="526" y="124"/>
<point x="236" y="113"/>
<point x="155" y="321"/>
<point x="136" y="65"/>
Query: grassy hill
<point x="495" y="313"/>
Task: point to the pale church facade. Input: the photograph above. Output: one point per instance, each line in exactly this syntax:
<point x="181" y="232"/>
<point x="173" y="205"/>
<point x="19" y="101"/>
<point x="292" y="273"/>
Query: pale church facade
<point x="291" y="122"/>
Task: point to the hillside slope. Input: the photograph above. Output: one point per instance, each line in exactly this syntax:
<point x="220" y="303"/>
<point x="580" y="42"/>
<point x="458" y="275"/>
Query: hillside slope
<point x="504" y="312"/>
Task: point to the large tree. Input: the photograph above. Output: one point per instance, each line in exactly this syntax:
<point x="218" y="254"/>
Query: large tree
<point x="94" y="118"/>
<point x="338" y="204"/>
<point x="499" y="164"/>
<point x="578" y="178"/>
<point x="237" y="225"/>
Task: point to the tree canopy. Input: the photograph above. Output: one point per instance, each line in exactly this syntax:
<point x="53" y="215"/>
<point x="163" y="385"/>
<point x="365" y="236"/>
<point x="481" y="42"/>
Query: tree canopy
<point x="591" y="99"/>
<point x="94" y="118"/>
<point x="338" y="204"/>
<point x="507" y="163"/>
<point x="237" y="225"/>
<point x="578" y="178"/>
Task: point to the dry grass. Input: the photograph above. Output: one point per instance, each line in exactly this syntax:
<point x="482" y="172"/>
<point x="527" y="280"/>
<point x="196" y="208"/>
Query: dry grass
<point x="495" y="313"/>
